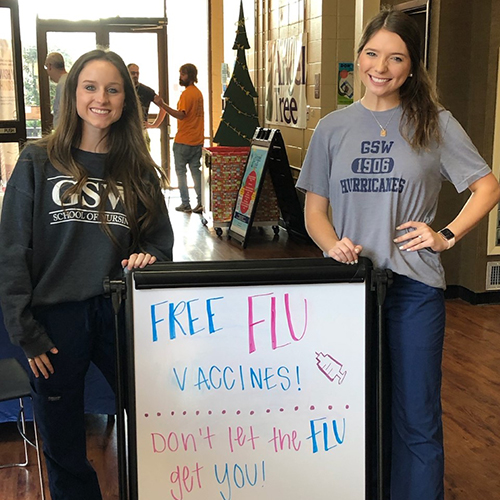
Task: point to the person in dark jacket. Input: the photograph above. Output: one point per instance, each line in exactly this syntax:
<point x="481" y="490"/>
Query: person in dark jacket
<point x="146" y="96"/>
<point x="81" y="204"/>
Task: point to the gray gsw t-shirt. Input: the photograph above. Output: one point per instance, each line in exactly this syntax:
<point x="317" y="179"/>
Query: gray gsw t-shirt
<point x="376" y="183"/>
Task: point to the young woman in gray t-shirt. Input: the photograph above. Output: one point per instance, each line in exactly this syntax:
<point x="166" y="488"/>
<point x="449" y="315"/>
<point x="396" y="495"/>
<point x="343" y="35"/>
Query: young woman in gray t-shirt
<point x="375" y="169"/>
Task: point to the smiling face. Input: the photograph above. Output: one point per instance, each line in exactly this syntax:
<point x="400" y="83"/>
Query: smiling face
<point x="100" y="97"/>
<point x="384" y="65"/>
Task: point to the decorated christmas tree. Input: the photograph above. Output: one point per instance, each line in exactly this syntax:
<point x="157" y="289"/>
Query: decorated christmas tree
<point x="239" y="119"/>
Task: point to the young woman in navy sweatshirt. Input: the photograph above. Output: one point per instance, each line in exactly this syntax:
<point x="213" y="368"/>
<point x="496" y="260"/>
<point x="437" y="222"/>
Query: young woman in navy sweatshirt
<point x="81" y="204"/>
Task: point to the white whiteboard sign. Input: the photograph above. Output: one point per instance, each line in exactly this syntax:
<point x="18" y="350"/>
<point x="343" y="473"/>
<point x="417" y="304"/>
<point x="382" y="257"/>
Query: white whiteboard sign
<point x="253" y="392"/>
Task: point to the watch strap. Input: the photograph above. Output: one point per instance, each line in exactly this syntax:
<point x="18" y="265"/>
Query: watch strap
<point x="448" y="235"/>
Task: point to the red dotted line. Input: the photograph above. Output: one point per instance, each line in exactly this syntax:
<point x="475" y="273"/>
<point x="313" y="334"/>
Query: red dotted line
<point x="239" y="412"/>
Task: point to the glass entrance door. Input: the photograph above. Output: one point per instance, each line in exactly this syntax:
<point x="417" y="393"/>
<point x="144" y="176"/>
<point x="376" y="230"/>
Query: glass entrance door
<point x="71" y="46"/>
<point x="12" y="114"/>
<point x="139" y="41"/>
<point x="141" y="47"/>
<point x="142" y="41"/>
<point x="188" y="37"/>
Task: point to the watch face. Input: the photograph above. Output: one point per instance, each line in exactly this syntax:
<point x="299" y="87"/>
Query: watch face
<point x="447" y="233"/>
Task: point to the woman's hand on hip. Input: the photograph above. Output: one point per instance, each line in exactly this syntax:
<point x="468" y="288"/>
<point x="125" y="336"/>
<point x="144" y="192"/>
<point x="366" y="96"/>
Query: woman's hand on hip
<point x="345" y="251"/>
<point x="421" y="237"/>
<point x="42" y="365"/>
<point x="138" y="260"/>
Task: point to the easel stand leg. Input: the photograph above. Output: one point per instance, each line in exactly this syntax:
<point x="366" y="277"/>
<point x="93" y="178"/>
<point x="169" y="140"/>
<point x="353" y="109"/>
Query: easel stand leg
<point x="382" y="281"/>
<point x="116" y="290"/>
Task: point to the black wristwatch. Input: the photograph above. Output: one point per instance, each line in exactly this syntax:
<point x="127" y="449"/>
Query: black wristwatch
<point x="448" y="235"/>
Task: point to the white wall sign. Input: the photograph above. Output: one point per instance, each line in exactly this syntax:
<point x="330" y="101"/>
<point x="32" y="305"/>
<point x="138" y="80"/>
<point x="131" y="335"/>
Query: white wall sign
<point x="286" y="82"/>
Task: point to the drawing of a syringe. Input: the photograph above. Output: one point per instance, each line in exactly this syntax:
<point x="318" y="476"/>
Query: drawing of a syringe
<point x="330" y="367"/>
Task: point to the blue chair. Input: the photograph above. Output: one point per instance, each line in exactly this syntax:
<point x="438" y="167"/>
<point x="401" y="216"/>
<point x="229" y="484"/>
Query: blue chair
<point x="14" y="384"/>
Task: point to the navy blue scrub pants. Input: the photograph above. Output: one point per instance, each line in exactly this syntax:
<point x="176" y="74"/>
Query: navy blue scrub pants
<point x="414" y="325"/>
<point x="82" y="332"/>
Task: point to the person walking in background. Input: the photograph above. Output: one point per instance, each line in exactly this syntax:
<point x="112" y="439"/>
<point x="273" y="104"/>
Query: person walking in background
<point x="189" y="138"/>
<point x="81" y="204"/>
<point x="146" y="96"/>
<point x="54" y="65"/>
<point x="379" y="164"/>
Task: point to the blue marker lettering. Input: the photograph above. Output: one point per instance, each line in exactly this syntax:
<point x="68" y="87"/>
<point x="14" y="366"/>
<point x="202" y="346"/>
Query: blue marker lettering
<point x="183" y="384"/>
<point x="229" y="387"/>
<point x="285" y="377"/>
<point x="210" y="315"/>
<point x="202" y="379"/>
<point x="224" y="478"/>
<point x="173" y="320"/>
<point x="211" y="378"/>
<point x="267" y="377"/>
<point x="191" y="319"/>
<point x="155" y="321"/>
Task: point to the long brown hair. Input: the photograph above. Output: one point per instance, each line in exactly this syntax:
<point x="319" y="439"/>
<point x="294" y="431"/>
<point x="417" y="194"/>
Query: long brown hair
<point x="127" y="161"/>
<point x="420" y="121"/>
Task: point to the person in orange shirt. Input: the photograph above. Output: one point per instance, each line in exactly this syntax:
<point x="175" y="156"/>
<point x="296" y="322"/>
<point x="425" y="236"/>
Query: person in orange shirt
<point x="190" y="135"/>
